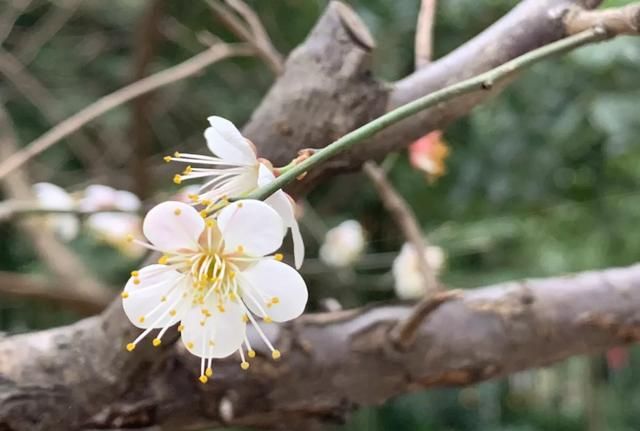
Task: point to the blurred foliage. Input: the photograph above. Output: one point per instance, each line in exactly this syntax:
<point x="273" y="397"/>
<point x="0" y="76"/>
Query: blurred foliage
<point x="542" y="180"/>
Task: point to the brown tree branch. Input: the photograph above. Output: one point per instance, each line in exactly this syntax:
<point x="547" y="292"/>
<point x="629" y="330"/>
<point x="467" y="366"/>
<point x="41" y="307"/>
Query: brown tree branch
<point x="333" y="68"/>
<point x="39" y="288"/>
<point x="147" y="39"/>
<point x="78" y="377"/>
<point x="624" y="20"/>
<point x="27" y="48"/>
<point x="251" y="30"/>
<point x="424" y="33"/>
<point x="406" y="220"/>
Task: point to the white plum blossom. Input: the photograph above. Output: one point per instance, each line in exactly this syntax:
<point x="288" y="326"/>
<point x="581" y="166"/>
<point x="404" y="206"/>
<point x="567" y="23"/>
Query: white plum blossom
<point x="53" y="197"/>
<point x="343" y="245"/>
<point x="408" y="280"/>
<point x="98" y="197"/>
<point x="216" y="274"/>
<point x="113" y="228"/>
<point x="234" y="171"/>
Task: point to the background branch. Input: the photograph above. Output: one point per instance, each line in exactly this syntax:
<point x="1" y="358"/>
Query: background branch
<point x="40" y="288"/>
<point x="168" y="76"/>
<point x="85" y="379"/>
<point x="424" y="33"/>
<point x="251" y="30"/>
<point x="61" y="261"/>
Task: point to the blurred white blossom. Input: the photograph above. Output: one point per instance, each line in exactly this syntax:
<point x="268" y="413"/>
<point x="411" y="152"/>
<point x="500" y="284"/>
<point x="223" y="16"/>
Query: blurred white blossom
<point x="113" y="228"/>
<point x="343" y="245"/>
<point x="99" y="197"/>
<point x="53" y="197"/>
<point x="409" y="282"/>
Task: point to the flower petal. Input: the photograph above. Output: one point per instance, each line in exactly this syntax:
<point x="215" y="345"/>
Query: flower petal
<point x="216" y="336"/>
<point x="251" y="224"/>
<point x="225" y="141"/>
<point x="284" y="206"/>
<point x="155" y="299"/>
<point x="270" y="279"/>
<point x="126" y="201"/>
<point x="50" y="196"/>
<point x="173" y="226"/>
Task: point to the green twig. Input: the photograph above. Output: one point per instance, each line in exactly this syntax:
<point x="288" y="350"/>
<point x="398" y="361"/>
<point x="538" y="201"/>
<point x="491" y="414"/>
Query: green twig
<point x="484" y="81"/>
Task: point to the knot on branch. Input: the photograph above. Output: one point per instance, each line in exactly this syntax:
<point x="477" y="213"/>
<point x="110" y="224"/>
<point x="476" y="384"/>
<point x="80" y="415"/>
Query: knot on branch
<point x="327" y="78"/>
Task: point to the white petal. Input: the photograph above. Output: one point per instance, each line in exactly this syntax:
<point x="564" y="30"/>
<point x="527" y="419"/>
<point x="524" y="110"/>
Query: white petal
<point x="126" y="201"/>
<point x="66" y="226"/>
<point x="114" y="225"/>
<point x="217" y="336"/>
<point x="225" y="141"/>
<point x="282" y="203"/>
<point x="270" y="279"/>
<point x="145" y="299"/>
<point x="173" y="225"/>
<point x="265" y="176"/>
<point x="251" y="224"/>
<point x="239" y="185"/>
<point x="98" y="196"/>
<point x="50" y="196"/>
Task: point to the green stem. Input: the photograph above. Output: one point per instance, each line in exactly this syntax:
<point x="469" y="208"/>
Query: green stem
<point x="483" y="81"/>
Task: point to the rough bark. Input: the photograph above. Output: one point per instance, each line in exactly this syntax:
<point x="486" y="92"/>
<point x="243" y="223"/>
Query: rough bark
<point x="78" y="377"/>
<point x="333" y="68"/>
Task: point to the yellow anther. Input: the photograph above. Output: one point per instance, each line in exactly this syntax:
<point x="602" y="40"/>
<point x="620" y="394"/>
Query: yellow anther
<point x="177" y="154"/>
<point x="221" y="308"/>
<point x="232" y="274"/>
<point x="210" y="223"/>
<point x="240" y="204"/>
<point x="163" y="299"/>
<point x="131" y="346"/>
<point x="278" y="257"/>
<point x="136" y="281"/>
<point x="141" y="319"/>
<point x="177" y="211"/>
<point x="187" y="170"/>
<point x="156" y="342"/>
<point x="163" y="259"/>
<point x="244" y="365"/>
<point x="124" y="295"/>
<point x="208" y="372"/>
<point x="203" y="379"/>
<point x="167" y="159"/>
<point x="267" y="319"/>
<point x="202" y="322"/>
<point x="233" y="296"/>
<point x="177" y="179"/>
<point x="193" y="197"/>
<point x="129" y="237"/>
<point x="204" y="214"/>
<point x="251" y="353"/>
<point x="135" y="273"/>
<point x="276" y="354"/>
<point x="240" y="249"/>
<point x="245" y="318"/>
<point x="190" y="345"/>
<point x="180" y="327"/>
<point x="172" y="313"/>
<point x="275" y="300"/>
<point x="206" y="202"/>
